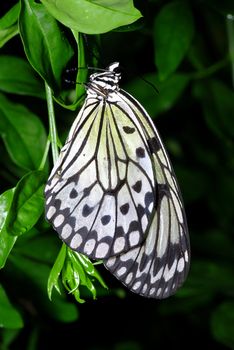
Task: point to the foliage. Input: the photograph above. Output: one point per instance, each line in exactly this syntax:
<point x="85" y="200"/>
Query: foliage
<point x="185" y="49"/>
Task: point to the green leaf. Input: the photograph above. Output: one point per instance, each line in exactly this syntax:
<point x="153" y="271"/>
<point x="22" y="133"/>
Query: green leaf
<point x="138" y="25"/>
<point x="223" y="109"/>
<point x="73" y="100"/>
<point x="9" y="316"/>
<point x="217" y="101"/>
<point x="18" y="77"/>
<point x="53" y="280"/>
<point x="6" y="241"/>
<point x="62" y="310"/>
<point x="8" y="336"/>
<point x="45" y="44"/>
<point x="215" y="244"/>
<point x="33" y="245"/>
<point x="173" y="33"/>
<point x="9" y="24"/>
<point x="27" y="204"/>
<point x="94" y="16"/>
<point x="23" y="134"/>
<point x="191" y="178"/>
<point x="90" y="269"/>
<point x="222" y="323"/>
<point x="75" y="271"/>
<point x="169" y="92"/>
<point x="218" y="279"/>
<point x="34" y="274"/>
<point x="71" y="277"/>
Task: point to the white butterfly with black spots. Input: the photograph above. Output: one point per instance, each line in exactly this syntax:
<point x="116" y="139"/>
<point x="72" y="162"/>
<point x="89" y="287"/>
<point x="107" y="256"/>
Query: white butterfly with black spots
<point x="113" y="195"/>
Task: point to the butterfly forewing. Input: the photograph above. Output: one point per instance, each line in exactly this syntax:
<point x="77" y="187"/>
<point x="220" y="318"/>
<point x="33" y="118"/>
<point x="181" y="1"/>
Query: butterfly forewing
<point x="101" y="193"/>
<point x="113" y="195"/>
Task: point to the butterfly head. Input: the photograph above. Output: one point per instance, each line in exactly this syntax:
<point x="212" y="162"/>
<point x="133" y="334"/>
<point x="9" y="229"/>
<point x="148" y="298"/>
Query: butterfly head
<point x="105" y="82"/>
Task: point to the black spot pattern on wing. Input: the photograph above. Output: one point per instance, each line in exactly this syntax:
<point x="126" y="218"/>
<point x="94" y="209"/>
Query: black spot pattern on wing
<point x="137" y="186"/>
<point x="140" y="152"/>
<point x="154" y="145"/>
<point x="105" y="219"/>
<point x="128" y="129"/>
<point x="149" y="198"/>
<point x="141" y="211"/>
<point x="73" y="193"/>
<point x="87" y="210"/>
<point x="87" y="191"/>
<point x="124" y="208"/>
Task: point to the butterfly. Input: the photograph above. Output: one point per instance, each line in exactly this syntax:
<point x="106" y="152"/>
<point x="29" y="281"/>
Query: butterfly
<point x="112" y="194"/>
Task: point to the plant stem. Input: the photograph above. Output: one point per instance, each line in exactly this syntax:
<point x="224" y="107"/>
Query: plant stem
<point x="230" y="34"/>
<point x="206" y="72"/>
<point x="43" y="161"/>
<point x="52" y="124"/>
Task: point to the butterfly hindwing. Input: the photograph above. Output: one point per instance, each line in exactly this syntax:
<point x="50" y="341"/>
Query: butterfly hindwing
<point x="157" y="267"/>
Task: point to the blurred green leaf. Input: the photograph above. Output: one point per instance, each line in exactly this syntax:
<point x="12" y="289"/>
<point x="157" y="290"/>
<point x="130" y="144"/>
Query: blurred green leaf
<point x="191" y="178"/>
<point x="169" y="92"/>
<point x="18" y="77"/>
<point x="36" y="274"/>
<point x="33" y="245"/>
<point x="206" y="280"/>
<point x="217" y="101"/>
<point x="23" y="134"/>
<point x="184" y="302"/>
<point x="173" y="33"/>
<point x="27" y="204"/>
<point x="128" y="345"/>
<point x="45" y="44"/>
<point x="9" y="316"/>
<point x="95" y="16"/>
<point x="209" y="277"/>
<point x="6" y="241"/>
<point x="8" y="335"/>
<point x="215" y="244"/>
<point x="62" y="310"/>
<point x="222" y="322"/>
<point x="33" y="339"/>
<point x="225" y="195"/>
<point x="9" y="24"/>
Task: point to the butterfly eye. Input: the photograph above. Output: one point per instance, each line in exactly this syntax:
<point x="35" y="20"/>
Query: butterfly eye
<point x="116" y="197"/>
<point x="118" y="70"/>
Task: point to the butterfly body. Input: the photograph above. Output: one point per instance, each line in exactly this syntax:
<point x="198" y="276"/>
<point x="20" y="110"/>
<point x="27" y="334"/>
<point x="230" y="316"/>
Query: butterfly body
<point x="112" y="194"/>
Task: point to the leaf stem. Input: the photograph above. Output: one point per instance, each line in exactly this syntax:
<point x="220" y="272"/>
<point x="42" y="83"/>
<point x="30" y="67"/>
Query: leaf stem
<point x="52" y="124"/>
